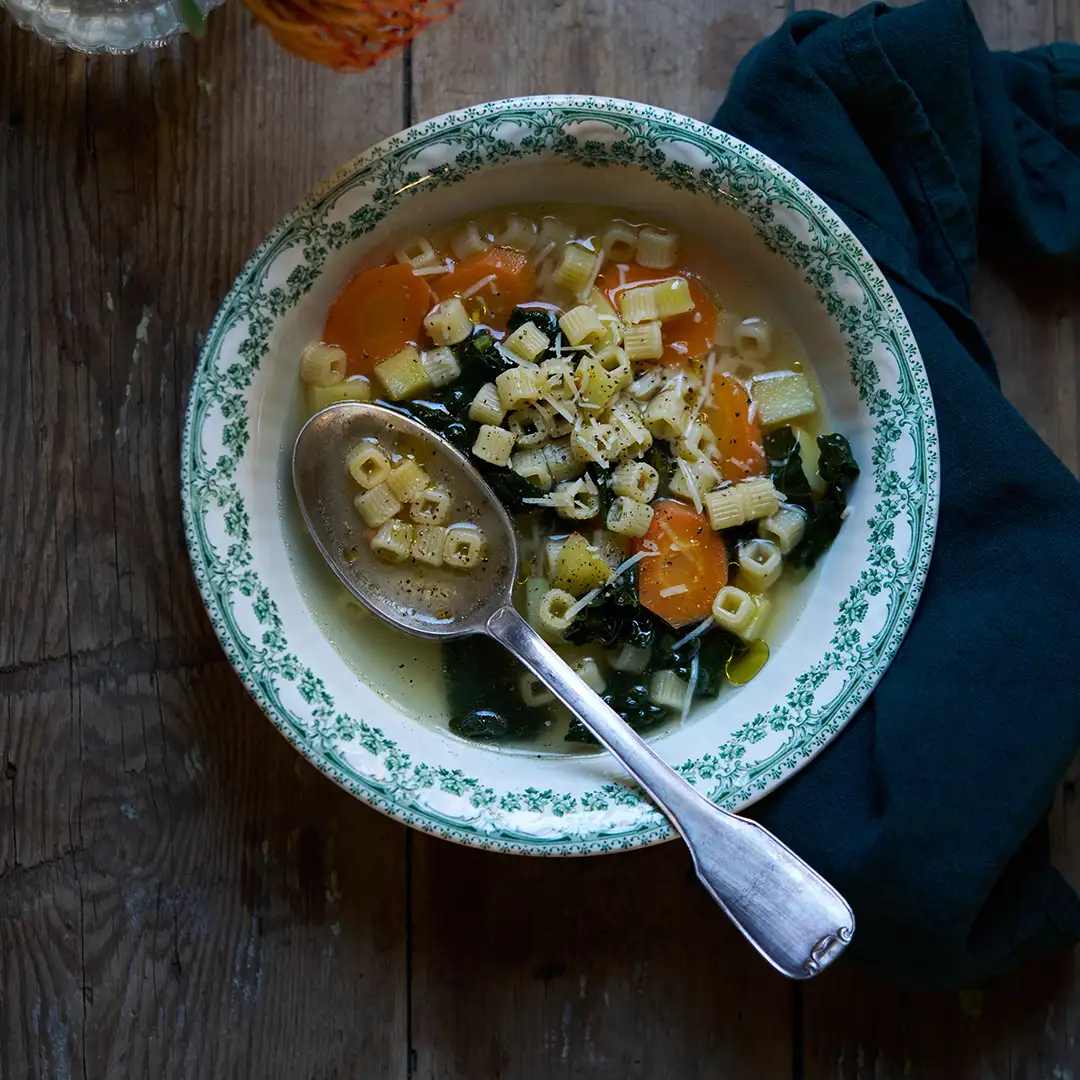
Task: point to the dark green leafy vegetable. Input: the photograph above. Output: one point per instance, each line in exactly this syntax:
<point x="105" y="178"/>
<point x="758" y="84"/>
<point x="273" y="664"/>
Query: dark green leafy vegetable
<point x="837" y="464"/>
<point x="541" y="318"/>
<point x="786" y="467"/>
<point x="602" y="479"/>
<point x="628" y="695"/>
<point x="481" y="686"/>
<point x="614" y="617"/>
<point x="826" y="517"/>
<point x="511" y="488"/>
<point x="661" y="461"/>
<point x="712" y="651"/>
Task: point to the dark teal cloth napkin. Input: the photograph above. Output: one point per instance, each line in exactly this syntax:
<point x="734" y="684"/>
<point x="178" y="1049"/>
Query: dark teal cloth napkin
<point x="929" y="810"/>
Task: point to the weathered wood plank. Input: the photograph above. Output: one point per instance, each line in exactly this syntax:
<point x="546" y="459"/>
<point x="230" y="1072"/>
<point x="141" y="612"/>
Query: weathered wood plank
<point x="615" y="967"/>
<point x="180" y="895"/>
<point x="183" y="896"/>
<point x="136" y="190"/>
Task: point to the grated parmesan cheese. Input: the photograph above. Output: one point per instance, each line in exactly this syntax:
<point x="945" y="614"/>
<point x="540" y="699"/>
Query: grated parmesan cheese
<point x="483" y="283"/>
<point x="691" y="484"/>
<point x="625" y="565"/>
<point x="674" y="590"/>
<point x="701" y="628"/>
<point x="695" y="669"/>
<point x="427" y="271"/>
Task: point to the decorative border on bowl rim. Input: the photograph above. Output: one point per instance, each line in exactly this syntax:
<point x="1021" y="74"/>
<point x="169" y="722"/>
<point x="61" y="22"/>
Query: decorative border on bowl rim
<point x="613" y="817"/>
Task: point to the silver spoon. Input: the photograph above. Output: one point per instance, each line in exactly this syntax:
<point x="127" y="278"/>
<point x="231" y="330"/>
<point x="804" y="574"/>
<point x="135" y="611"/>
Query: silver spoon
<point x="787" y="911"/>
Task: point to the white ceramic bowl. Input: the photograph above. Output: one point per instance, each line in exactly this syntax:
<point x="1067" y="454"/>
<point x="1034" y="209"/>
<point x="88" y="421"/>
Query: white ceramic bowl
<point x="244" y="413"/>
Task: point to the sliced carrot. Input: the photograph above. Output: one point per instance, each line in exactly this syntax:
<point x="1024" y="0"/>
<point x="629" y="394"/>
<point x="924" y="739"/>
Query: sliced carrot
<point x="686" y="337"/>
<point x="377" y="314"/>
<point x="507" y="282"/>
<point x="680" y="584"/>
<point x="738" y="436"/>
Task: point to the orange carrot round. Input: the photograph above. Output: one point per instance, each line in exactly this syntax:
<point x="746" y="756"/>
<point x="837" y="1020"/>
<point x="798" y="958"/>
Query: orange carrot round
<point x="377" y="314"/>
<point x="508" y="281"/>
<point x="686" y="337"/>
<point x="680" y="584"/>
<point x="738" y="436"/>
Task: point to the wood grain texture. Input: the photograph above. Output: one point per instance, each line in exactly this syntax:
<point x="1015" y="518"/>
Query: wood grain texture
<point x="180" y="894"/>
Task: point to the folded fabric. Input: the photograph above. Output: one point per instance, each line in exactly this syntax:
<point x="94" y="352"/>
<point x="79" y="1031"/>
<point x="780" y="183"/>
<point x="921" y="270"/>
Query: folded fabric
<point x="929" y="810"/>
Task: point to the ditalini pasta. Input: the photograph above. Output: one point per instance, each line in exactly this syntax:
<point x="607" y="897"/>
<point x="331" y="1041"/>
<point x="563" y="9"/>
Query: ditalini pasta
<point x="655" y="428"/>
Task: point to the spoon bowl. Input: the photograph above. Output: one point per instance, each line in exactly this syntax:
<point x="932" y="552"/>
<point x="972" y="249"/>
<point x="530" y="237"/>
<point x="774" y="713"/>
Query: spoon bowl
<point x="788" y="912"/>
<point x="430" y="601"/>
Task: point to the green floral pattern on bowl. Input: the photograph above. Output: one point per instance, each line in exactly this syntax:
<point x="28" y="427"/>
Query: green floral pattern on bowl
<point x="413" y="779"/>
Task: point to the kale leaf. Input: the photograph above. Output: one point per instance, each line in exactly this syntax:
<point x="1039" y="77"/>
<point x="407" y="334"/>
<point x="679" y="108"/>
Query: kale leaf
<point x="837" y="464"/>
<point x="822" y="526"/>
<point x="541" y="318"/>
<point x="712" y="651"/>
<point x="628" y="695"/>
<point x="481" y="687"/>
<point x="786" y="467"/>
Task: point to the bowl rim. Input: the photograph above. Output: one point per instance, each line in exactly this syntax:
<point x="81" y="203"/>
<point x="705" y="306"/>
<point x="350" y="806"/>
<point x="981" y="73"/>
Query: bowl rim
<point x="653" y="828"/>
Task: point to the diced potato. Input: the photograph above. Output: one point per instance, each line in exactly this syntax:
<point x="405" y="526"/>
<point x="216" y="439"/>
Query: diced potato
<point x="782" y="398"/>
<point x="403" y="374"/>
<point x="579" y="567"/>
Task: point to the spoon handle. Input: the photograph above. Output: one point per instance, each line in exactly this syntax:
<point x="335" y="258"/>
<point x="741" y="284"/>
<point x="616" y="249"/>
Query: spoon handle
<point x="787" y="911"/>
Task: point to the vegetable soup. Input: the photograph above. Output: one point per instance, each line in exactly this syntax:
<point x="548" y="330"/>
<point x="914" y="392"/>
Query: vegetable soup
<point x="648" y="419"/>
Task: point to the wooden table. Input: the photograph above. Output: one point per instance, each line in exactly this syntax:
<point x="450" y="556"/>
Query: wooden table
<point x="181" y="895"/>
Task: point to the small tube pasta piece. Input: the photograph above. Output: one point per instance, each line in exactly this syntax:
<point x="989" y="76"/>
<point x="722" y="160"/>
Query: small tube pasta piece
<point x="556" y="423"/>
<point x="631" y="435"/>
<point x="527" y="342"/>
<point x="577" y="269"/>
<point x="582" y="326"/>
<point x="403" y="375"/>
<point x="358" y="388"/>
<point x="785" y="528"/>
<point x="561" y="462"/>
<point x="656" y="248"/>
<point x="644" y="341"/>
<point x="590" y="441"/>
<point x="673" y="298"/>
<point x="588" y="670"/>
<point x="533" y="692"/>
<point x="758" y="496"/>
<point x="636" y="480"/>
<point x="323" y="365"/>
<point x="619" y="241"/>
<point x="429" y="545"/>
<point x="535" y="590"/>
<point x="753" y="339"/>
<point x="441" y="365"/>
<point x="529" y="427"/>
<point x="448" y="323"/>
<point x="465" y="546"/>
<point x="630" y="658"/>
<point x="552" y="613"/>
<point x="418" y="253"/>
<point x="519" y="234"/>
<point x="741" y="502"/>
<point x="532" y="465"/>
<point x="393" y="542"/>
<point x="783" y="397"/>
<point x="577" y="500"/>
<point x="431" y="507"/>
<point x="487" y="406"/>
<point x="494" y="445"/>
<point x="760" y="564"/>
<point x="557" y="379"/>
<point x="616" y="363"/>
<point x="469" y="242"/>
<point x="517" y="387"/>
<point x="693" y="480"/>
<point x="647" y="385"/>
<point x="377" y="506"/>
<point x="598" y="386"/>
<point x="734" y="610"/>
<point x="639" y="305"/>
<point x="407" y="480"/>
<point x="698" y="442"/>
<point x="667" y="690"/>
<point x="368" y="465"/>
<point x="668" y="414"/>
<point x="762" y="612"/>
<point x="628" y="517"/>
